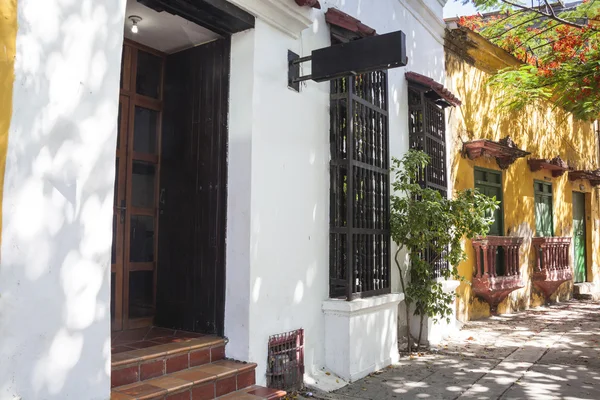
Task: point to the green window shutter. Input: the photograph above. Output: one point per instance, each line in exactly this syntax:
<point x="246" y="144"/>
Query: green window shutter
<point x="489" y="182"/>
<point x="544" y="225"/>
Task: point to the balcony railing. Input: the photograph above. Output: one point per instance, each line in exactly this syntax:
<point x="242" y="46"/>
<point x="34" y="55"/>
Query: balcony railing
<point x="497" y="268"/>
<point x="552" y="267"/>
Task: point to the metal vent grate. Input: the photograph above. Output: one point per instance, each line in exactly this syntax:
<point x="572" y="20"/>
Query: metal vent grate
<point x="286" y="361"/>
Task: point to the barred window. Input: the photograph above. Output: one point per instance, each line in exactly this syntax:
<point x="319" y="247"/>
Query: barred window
<point x="359" y="193"/>
<point x="427" y="132"/>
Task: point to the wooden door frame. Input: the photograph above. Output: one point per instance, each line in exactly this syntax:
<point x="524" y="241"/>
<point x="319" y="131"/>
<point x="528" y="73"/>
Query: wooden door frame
<point x="126" y="154"/>
<point x="121" y="177"/>
<point x="489" y="184"/>
<point x="586" y="234"/>
<point x="537" y="193"/>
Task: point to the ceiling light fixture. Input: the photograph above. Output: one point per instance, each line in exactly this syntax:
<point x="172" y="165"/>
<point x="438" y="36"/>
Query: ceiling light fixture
<point x="134" y="21"/>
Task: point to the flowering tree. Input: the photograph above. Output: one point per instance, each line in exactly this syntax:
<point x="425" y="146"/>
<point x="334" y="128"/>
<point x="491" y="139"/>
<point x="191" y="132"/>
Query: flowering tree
<point x="558" y="45"/>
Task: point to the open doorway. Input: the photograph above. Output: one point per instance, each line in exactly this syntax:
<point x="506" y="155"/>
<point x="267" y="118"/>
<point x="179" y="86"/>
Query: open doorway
<point x="168" y="252"/>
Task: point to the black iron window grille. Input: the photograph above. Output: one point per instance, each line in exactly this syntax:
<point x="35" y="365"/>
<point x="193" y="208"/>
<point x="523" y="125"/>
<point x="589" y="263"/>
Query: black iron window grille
<point x="286" y="361"/>
<point x="359" y="192"/>
<point x="427" y="132"/>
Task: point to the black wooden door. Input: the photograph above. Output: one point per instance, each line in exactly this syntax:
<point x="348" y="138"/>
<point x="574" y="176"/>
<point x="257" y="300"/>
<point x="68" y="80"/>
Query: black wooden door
<point x="192" y="200"/>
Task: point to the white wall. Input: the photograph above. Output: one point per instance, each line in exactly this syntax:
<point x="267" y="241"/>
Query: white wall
<point x="57" y="206"/>
<point x="278" y="199"/>
<point x="285" y="227"/>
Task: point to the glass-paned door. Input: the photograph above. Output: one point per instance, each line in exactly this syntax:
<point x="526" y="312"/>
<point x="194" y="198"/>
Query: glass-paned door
<point x="136" y="185"/>
<point x="489" y="183"/>
<point x="544" y="226"/>
<point x="579" y="237"/>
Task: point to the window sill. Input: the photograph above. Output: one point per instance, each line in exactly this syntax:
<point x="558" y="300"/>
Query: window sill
<point x="359" y="306"/>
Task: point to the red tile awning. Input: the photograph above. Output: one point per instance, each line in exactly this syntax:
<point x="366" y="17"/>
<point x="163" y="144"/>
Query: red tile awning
<point x="335" y="17"/>
<point x="439" y="89"/>
<point x="505" y="151"/>
<point x="556" y="165"/>
<point x="591" y="175"/>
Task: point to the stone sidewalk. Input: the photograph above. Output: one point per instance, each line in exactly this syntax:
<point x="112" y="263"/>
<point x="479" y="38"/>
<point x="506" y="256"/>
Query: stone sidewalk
<point x="546" y="353"/>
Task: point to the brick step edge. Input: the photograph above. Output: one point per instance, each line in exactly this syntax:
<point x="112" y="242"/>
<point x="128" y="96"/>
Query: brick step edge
<point x="159" y="365"/>
<point x="208" y="381"/>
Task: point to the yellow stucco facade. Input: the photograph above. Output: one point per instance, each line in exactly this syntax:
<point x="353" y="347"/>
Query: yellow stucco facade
<point x="8" y="38"/>
<point x="546" y="132"/>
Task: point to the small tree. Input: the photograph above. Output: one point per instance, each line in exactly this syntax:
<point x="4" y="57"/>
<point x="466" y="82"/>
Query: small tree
<point x="423" y="221"/>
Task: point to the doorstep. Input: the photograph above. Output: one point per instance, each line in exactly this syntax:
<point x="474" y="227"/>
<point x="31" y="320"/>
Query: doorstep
<point x="187" y="367"/>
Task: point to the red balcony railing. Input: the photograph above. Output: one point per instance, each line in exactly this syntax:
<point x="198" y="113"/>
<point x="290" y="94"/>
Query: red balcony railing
<point x="497" y="268"/>
<point x="552" y="267"/>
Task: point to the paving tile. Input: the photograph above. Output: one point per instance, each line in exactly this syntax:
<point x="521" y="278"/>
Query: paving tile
<point x="206" y="341"/>
<point x="246" y="379"/>
<point x="120" y="396"/>
<point x="217" y="353"/>
<point x="204" y="392"/>
<point x="156" y="332"/>
<point x="177" y="363"/>
<point x="497" y="381"/>
<point x="186" y="334"/>
<point x="124" y="376"/>
<point x="239" y="366"/>
<point x="195" y="375"/>
<point x="171" y="384"/>
<point x="141" y="345"/>
<point x="174" y="348"/>
<point x="167" y="339"/>
<point x="199" y="357"/>
<point x="185" y="395"/>
<point x="120" y="349"/>
<point x="131" y="335"/>
<point x="142" y="391"/>
<point x="556" y="381"/>
<point x="152" y="369"/>
<point x="217" y="371"/>
<point x="121" y="359"/>
<point x="140" y="355"/>
<point x="225" y="386"/>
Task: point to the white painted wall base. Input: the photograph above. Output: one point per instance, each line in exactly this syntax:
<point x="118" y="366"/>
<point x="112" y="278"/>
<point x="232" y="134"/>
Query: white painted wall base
<point x="435" y="332"/>
<point x="361" y="336"/>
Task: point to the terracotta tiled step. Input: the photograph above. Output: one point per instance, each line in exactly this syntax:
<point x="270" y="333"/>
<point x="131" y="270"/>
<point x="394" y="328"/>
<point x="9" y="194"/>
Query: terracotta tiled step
<point x="255" y="392"/>
<point x="152" y="362"/>
<point x="205" y="382"/>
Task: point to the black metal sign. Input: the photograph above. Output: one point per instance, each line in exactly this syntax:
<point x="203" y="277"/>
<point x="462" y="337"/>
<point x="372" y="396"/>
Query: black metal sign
<point x="359" y="56"/>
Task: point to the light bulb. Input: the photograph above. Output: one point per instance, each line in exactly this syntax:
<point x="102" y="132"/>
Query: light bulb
<point x="134" y="28"/>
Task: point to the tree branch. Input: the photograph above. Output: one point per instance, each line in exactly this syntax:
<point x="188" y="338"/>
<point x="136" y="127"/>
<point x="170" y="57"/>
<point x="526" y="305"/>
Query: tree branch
<point x="514" y="27"/>
<point x="550" y="15"/>
<point x="550" y="7"/>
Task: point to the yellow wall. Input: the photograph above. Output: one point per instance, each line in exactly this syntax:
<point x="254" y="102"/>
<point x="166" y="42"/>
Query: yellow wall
<point x="545" y="132"/>
<point x="8" y="38"/>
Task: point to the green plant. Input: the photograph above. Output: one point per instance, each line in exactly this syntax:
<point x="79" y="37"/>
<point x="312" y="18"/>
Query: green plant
<point x="422" y="220"/>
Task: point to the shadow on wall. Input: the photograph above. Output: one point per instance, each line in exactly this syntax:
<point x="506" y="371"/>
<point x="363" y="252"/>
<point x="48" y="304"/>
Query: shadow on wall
<point x="58" y="200"/>
<point x="544" y="131"/>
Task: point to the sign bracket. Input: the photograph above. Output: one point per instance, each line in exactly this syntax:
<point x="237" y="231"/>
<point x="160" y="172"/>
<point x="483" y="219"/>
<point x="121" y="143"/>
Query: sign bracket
<point x="356" y="57"/>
